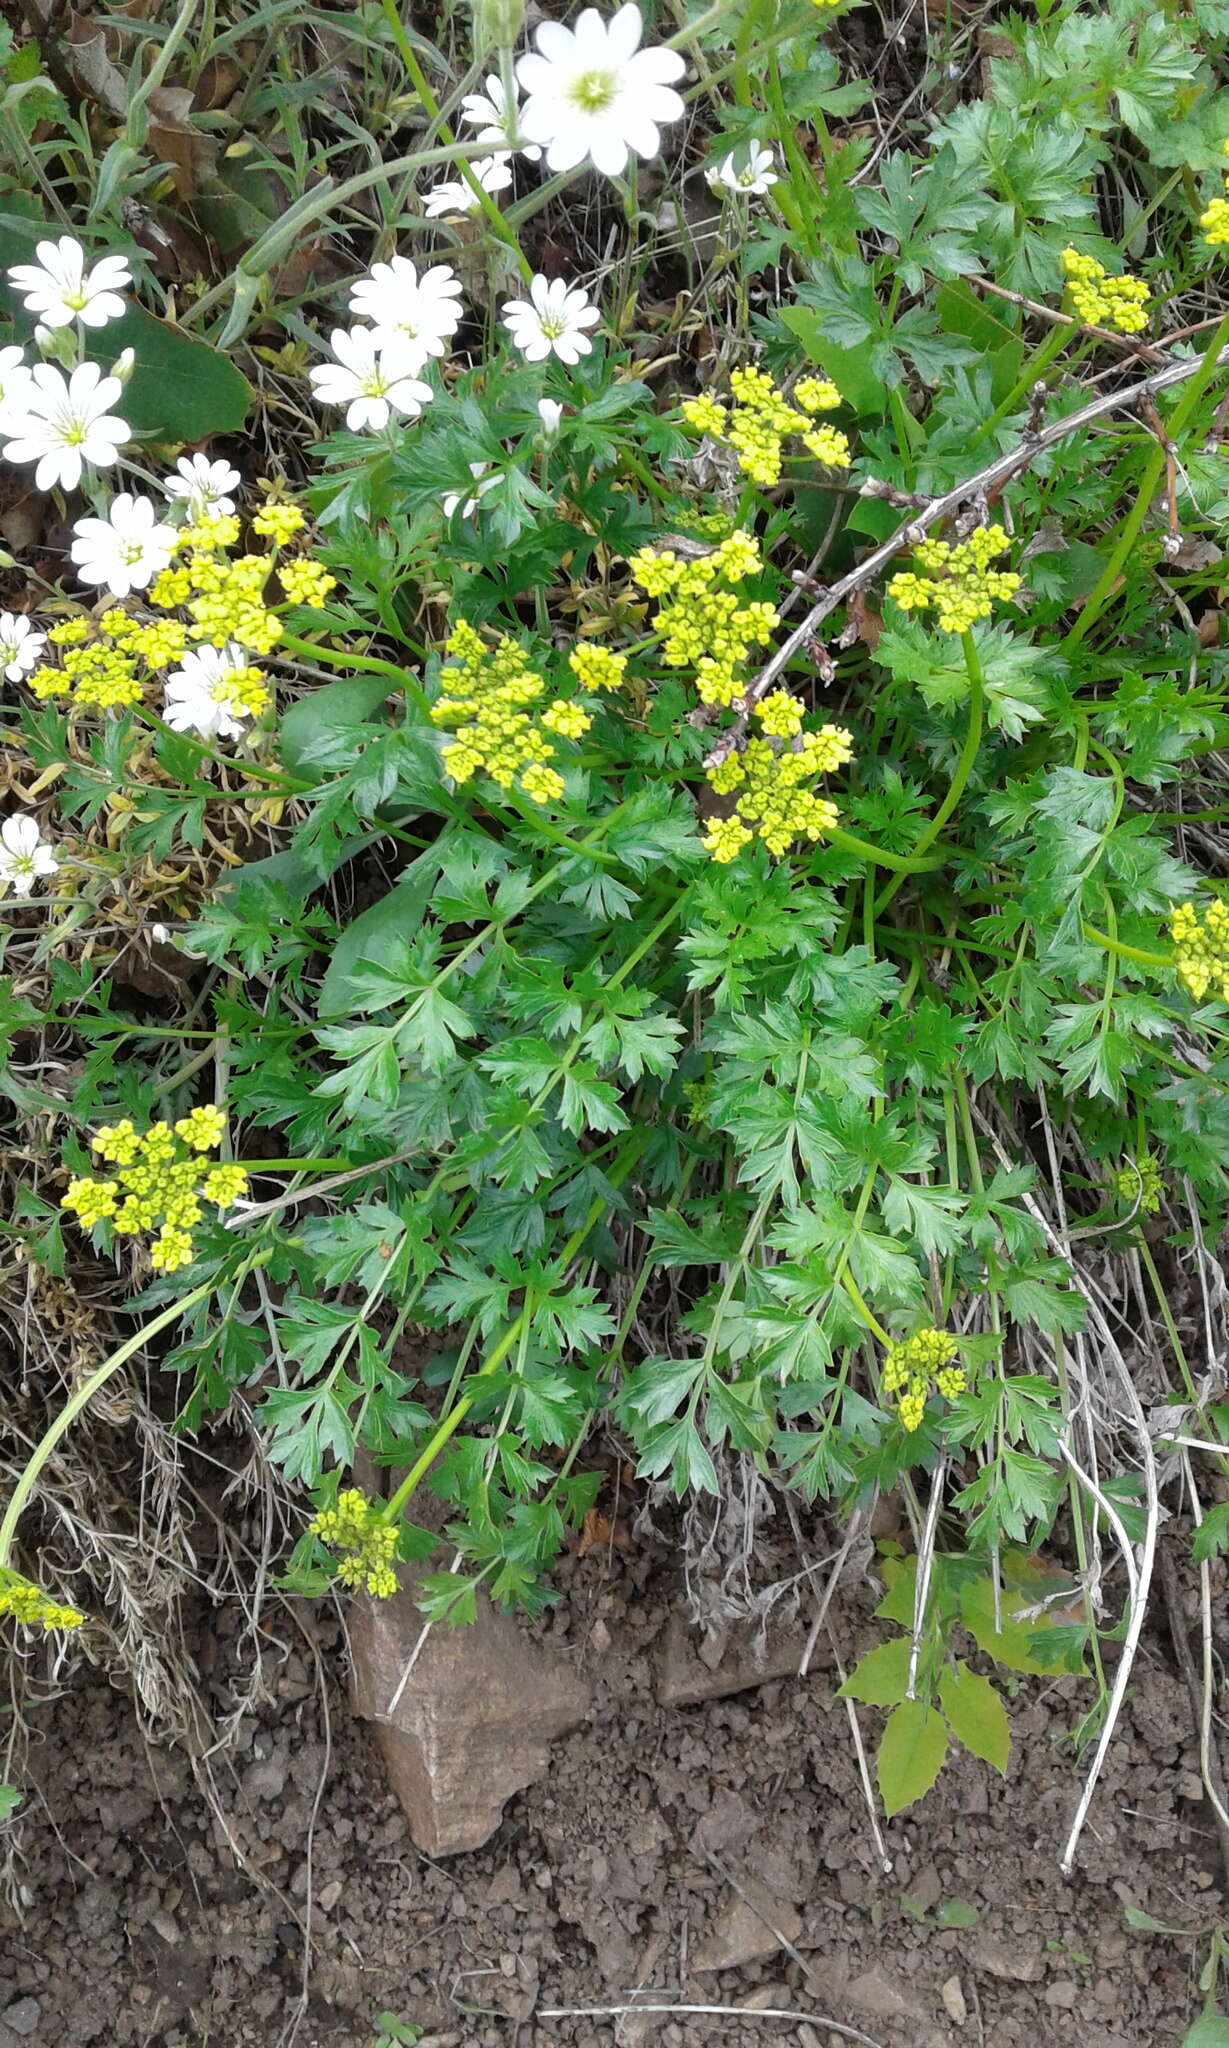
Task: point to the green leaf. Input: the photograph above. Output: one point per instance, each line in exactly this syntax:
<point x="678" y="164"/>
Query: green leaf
<point x="1209" y="2031"/>
<point x="1012" y="1644"/>
<point x="314" y="728"/>
<point x="976" y="1715"/>
<point x="910" y="1755"/>
<point x="10" y="1800"/>
<point x="880" y="1677"/>
<point x="370" y="940"/>
<point x="956" y="1913"/>
<point x="1212" y="1535"/>
<point x="847" y="367"/>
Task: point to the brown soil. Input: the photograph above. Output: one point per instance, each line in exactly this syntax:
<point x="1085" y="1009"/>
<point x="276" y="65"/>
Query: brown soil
<point x="137" y="1924"/>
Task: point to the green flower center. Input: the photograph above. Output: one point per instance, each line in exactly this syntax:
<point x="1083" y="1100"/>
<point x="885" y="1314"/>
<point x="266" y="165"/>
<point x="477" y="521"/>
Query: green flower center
<point x="594" y="91"/>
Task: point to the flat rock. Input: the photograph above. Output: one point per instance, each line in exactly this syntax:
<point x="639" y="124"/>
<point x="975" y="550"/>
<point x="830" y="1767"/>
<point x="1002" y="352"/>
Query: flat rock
<point x="692" y="1668"/>
<point x="1009" y="1961"/>
<point x="747" y="1930"/>
<point x="474" y="1719"/>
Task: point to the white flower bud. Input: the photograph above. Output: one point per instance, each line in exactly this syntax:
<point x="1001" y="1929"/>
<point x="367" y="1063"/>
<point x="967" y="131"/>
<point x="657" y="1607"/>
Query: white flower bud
<point x="550" y="412"/>
<point x="124" y="365"/>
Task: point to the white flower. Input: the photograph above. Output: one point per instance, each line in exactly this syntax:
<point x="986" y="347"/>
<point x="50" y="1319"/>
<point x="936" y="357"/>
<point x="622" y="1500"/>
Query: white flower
<point x="204" y="486"/>
<point x="488" y="113"/>
<point x="14" y="386"/>
<point x="370" y="380"/>
<point x="551" y="321"/>
<point x="421" y="312"/>
<point x="60" y="289"/>
<point x="197" y="697"/>
<point x="486" y="475"/>
<point x="748" y="172"/>
<point x="127" y="549"/>
<point x="594" y="94"/>
<point x="20" y="646"/>
<point x="63" y="423"/>
<point x="550" y="412"/>
<point x="23" y="855"/>
<point x="455" y="196"/>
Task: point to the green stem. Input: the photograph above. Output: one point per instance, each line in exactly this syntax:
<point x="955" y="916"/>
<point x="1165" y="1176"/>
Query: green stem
<point x="1154" y="469"/>
<point x="79" y="1399"/>
<point x="964" y="766"/>
<point x="451" y="1422"/>
<point x="1115" y="945"/>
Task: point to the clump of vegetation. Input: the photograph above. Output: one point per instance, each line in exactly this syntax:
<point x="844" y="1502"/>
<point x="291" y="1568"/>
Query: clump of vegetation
<point x="670" y="806"/>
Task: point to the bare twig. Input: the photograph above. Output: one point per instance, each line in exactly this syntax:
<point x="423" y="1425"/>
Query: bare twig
<point x="984" y="484"/>
<point x="1213" y="1776"/>
<point x="864" y="1771"/>
<point x="925" y="1563"/>
<point x="725" y="2012"/>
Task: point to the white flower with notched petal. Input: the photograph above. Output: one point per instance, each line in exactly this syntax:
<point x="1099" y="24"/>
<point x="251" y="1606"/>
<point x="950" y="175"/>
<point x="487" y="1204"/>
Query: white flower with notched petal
<point x="60" y="289"/>
<point x="24" y="855"/>
<point x="488" y="113"/>
<point x="371" y="381"/>
<point x="127" y="549"/>
<point x="14" y="384"/>
<point x="197" y="695"/>
<point x="420" y="313"/>
<point x="749" y="173"/>
<point x="486" y="475"/>
<point x="455" y="196"/>
<point x="551" y="321"/>
<point x="62" y="423"/>
<point x="203" y="485"/>
<point x="594" y="95"/>
<point x="20" y="646"/>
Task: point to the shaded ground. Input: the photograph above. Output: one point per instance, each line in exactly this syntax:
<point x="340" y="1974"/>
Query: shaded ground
<point x="610" y="1875"/>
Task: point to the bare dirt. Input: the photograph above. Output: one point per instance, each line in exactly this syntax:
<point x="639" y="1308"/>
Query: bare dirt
<point x="658" y="1843"/>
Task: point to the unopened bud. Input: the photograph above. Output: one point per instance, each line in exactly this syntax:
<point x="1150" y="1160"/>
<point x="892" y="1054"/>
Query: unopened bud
<point x="550" y="412"/>
<point x="60" y="343"/>
<point x="124" y="365"/>
<point x="496" y="24"/>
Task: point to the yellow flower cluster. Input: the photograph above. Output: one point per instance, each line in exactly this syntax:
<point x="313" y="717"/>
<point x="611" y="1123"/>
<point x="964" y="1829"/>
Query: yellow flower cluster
<point x="703" y="626"/>
<point x="910" y="1366"/>
<point x="1215" y="222"/>
<point x="773" y="803"/>
<point x="491" y="694"/>
<point x="959" y="583"/>
<point x="106" y="664"/>
<point x="1102" y="300"/>
<point x="1140" y="1183"/>
<point x="29" y="1604"/>
<point x="161" y="1181"/>
<point x="223" y="594"/>
<point x="364" y="1542"/>
<point x="277" y="520"/>
<point x="762" y="420"/>
<point x="1201" y="948"/>
<point x="597" y="668"/>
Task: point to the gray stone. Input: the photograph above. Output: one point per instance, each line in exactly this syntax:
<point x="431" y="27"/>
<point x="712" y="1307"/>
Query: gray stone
<point x="747" y="1930"/>
<point x="266" y="1780"/>
<point x="23" y="2017"/>
<point x="953" y="2000"/>
<point x="1007" y="1960"/>
<point x="693" y="1668"/>
<point x="1062" y="1996"/>
<point x="473" y="1721"/>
